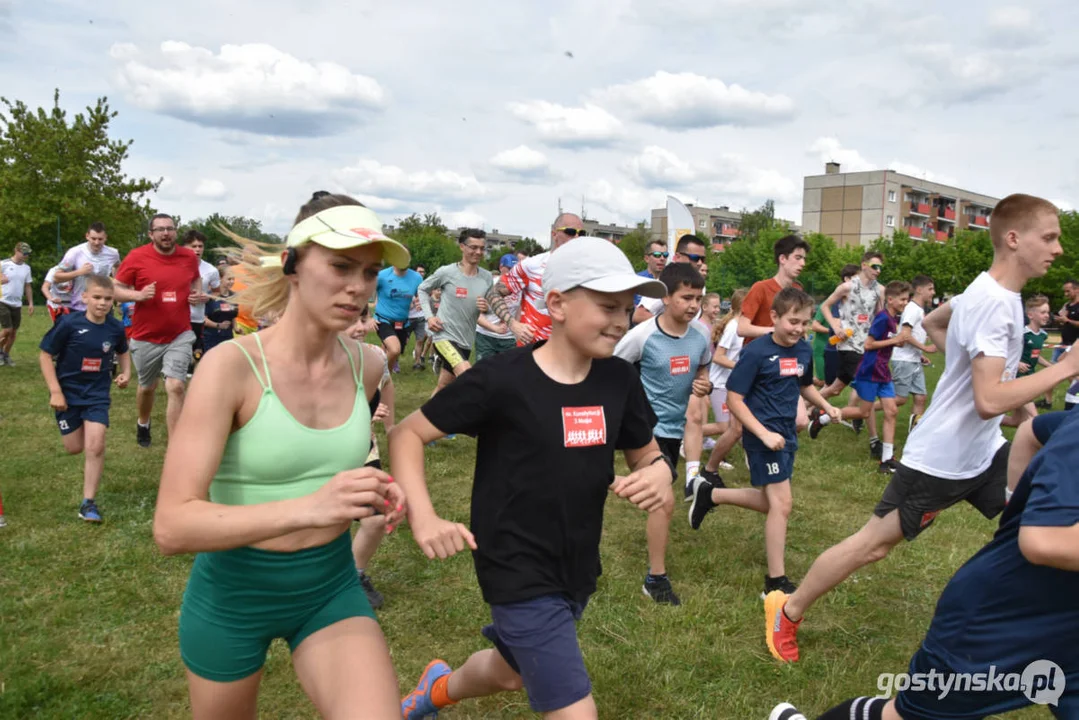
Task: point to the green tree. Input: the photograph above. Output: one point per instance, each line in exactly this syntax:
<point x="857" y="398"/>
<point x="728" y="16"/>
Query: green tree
<point x="529" y="246"/>
<point x="634" y="243"/>
<point x="59" y="174"/>
<point x="426" y="238"/>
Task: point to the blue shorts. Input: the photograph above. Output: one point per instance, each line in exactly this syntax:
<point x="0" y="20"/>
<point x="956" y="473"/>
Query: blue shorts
<point x="538" y="638"/>
<point x="869" y="391"/>
<point x="769" y="468"/>
<point x="72" y="419"/>
<point x="966" y="704"/>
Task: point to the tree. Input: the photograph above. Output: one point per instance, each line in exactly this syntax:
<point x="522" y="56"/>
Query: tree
<point x="755" y="222"/>
<point x="58" y="175"/>
<point x="426" y="238"/>
<point x="529" y="246"/>
<point x="634" y="243"/>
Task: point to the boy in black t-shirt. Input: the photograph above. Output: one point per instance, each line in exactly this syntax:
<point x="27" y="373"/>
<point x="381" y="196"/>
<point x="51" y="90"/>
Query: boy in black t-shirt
<point x="763" y="392"/>
<point x="548" y="419"/>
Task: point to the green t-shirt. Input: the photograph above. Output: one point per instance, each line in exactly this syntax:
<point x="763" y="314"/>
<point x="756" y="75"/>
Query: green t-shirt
<point x="1032" y="349"/>
<point x="820" y="340"/>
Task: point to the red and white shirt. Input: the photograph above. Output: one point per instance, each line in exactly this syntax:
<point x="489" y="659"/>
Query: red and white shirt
<point x="526" y="277"/>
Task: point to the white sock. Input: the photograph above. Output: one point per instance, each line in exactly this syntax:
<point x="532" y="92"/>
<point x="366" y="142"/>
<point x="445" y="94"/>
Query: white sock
<point x="887" y="451"/>
<point x="691" y="471"/>
<point x="141" y="425"/>
<point x="825" y="418"/>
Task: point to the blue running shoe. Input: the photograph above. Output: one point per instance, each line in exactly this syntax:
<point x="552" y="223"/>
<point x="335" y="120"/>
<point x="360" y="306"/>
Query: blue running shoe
<point x="418" y="704"/>
<point x="88" y="511"/>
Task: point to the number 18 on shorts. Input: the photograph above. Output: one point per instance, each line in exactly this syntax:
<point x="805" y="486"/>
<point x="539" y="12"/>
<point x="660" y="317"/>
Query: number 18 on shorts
<point x="767" y="468"/>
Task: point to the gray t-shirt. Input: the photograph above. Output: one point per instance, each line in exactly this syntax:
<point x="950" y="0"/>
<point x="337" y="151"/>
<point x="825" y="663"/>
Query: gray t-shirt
<point x="457" y="311"/>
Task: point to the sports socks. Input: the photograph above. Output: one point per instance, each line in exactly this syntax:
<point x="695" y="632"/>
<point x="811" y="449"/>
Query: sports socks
<point x="887" y="451"/>
<point x="440" y="693"/>
<point x="864" y="708"/>
<point x="692" y="470"/>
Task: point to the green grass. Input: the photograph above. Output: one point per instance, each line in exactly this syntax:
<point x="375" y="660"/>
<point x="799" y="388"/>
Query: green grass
<point x="88" y="614"/>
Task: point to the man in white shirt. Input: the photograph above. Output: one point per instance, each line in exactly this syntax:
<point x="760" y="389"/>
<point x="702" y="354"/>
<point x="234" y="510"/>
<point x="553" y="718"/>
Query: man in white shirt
<point x="908" y="372"/>
<point x="211" y="283"/>
<point x="91" y="257"/>
<point x="957" y="452"/>
<point x="17" y="283"/>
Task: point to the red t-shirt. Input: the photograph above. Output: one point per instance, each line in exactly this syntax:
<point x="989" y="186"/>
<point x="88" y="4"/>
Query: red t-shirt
<point x="166" y="315"/>
<point x="757" y="305"/>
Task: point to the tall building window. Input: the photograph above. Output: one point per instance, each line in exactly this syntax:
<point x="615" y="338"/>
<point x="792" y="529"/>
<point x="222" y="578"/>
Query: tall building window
<point x="891" y="196"/>
<point x="890" y="221"/>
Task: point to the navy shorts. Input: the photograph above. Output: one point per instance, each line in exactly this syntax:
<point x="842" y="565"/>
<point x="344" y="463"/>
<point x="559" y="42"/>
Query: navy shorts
<point x="964" y="704"/>
<point x="72" y="419"/>
<point x="538" y="638"/>
<point x="768" y="468"/>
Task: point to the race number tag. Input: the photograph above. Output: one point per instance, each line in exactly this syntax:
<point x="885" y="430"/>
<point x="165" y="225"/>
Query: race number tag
<point x="788" y="367"/>
<point x="398" y="326"/>
<point x="168" y="297"/>
<point x="225" y="307"/>
<point x="680" y="365"/>
<point x="1035" y="353"/>
<point x="91" y="364"/>
<point x="584" y="426"/>
<point x="863" y="319"/>
<point x="461" y="292"/>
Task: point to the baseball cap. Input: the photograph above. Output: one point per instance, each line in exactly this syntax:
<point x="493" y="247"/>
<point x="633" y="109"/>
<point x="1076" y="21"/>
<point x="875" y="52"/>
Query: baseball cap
<point x="596" y="264"/>
<point x="348" y="226"/>
<point x="508" y="260"/>
<point x="24" y="248"/>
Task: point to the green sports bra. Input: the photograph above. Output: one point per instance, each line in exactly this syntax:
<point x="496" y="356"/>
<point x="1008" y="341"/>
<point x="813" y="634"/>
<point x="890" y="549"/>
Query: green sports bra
<point x="274" y="457"/>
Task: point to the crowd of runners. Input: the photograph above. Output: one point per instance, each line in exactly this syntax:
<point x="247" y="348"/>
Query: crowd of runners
<point x="271" y="460"/>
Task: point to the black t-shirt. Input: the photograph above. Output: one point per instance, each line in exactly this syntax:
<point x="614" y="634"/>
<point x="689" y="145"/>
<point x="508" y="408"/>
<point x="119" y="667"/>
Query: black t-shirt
<point x="544" y="461"/>
<point x="1069" y="333"/>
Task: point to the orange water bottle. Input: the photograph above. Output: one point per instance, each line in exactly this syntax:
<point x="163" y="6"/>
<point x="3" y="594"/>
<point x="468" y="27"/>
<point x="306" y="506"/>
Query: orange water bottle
<point x="835" y="339"/>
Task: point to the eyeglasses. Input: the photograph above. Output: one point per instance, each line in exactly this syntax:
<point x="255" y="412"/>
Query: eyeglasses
<point x="694" y="258"/>
<point x="163" y="229"/>
<point x="658" y="254"/>
<point x="572" y="232"/>
<point x="877" y="267"/>
<point x="474" y="248"/>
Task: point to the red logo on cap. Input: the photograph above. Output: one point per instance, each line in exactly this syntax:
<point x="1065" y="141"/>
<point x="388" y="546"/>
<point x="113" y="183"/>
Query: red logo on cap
<point x="367" y="233"/>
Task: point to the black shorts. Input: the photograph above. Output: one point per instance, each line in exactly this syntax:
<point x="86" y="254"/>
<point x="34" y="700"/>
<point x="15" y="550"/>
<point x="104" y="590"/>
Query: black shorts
<point x="399" y="329"/>
<point x="920" y="497"/>
<point x="10" y="317"/>
<point x="451" y="354"/>
<point x="670" y="448"/>
<point x="848" y="365"/>
<point x="196" y="347"/>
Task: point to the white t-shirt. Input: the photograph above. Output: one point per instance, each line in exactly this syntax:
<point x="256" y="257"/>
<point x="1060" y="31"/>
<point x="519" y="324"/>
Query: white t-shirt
<point x="913" y="314"/>
<point x="104" y="263"/>
<point x="60" y="291"/>
<point x="14" y="290"/>
<point x="415" y="310"/>
<point x="952" y="441"/>
<point x="656" y="307"/>
<point x="211" y="280"/>
<point x="732" y="342"/>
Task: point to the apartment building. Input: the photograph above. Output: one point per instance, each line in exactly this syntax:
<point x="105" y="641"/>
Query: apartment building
<point x="720" y="223"/>
<point x="858" y="207"/>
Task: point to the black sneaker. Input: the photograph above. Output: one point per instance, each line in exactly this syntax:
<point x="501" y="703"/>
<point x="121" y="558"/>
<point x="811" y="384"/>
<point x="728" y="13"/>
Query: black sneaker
<point x="373" y="596"/>
<point x="713" y="478"/>
<point x="857" y="424"/>
<point x="815" y="424"/>
<point x="781" y="583"/>
<point x="660" y="590"/>
<point x="1044" y="404"/>
<point x="888" y="467"/>
<point x="876" y="449"/>
<point x="702" y="502"/>
<point x="142" y="435"/>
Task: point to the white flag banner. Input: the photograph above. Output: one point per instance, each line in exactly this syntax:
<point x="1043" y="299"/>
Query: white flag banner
<point x="679" y="222"/>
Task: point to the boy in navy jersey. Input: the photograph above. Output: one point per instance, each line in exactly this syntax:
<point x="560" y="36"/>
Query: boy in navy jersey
<point x="548" y="419"/>
<point x="762" y="393"/>
<point x="83" y="345"/>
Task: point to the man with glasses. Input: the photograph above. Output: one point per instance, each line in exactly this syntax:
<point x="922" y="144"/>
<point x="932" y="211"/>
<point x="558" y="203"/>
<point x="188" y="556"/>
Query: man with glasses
<point x="690" y="249"/>
<point x="463" y="287"/>
<point x="526" y="278"/>
<point x="161" y="277"/>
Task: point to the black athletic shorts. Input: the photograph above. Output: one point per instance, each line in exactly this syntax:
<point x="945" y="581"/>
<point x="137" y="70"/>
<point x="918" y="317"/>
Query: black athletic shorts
<point x="670" y="447"/>
<point x="451" y="354"/>
<point x="399" y="329"/>
<point x="848" y="365"/>
<point x="920" y="497"/>
<point x="196" y="347"/>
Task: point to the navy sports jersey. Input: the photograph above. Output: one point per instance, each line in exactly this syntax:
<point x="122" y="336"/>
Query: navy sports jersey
<point x="1001" y="609"/>
<point x="84" y="356"/>
<point x="770" y="377"/>
<point x="874" y="365"/>
<point x="219" y="310"/>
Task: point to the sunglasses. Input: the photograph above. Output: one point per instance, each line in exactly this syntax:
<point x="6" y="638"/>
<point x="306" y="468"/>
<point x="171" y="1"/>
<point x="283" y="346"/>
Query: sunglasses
<point x="877" y="267"/>
<point x="572" y="232"/>
<point x="659" y="254"/>
<point x="694" y="258"/>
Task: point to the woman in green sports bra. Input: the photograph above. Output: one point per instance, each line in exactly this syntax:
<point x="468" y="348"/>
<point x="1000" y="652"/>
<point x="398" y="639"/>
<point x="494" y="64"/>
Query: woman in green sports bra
<point x="265" y="474"/>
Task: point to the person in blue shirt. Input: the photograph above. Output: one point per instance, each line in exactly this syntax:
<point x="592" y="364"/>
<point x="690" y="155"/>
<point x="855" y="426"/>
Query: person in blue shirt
<point x="83" y="345"/>
<point x="672" y="355"/>
<point x="763" y="391"/>
<point x="655" y="259"/>
<point x="393" y="299"/>
<point x="1006" y="627"/>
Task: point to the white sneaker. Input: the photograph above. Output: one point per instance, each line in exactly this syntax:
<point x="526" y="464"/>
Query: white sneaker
<point x="724" y="465"/>
<point x="3" y="522"/>
<point x="708" y="444"/>
<point x="682" y="449"/>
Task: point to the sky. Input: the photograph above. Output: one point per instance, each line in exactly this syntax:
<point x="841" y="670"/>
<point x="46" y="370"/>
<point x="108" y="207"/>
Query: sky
<point x="491" y="114"/>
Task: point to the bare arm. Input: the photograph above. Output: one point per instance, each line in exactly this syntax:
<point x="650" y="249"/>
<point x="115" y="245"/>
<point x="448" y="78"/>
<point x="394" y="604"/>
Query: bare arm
<point x="490" y="326"/>
<point x="46" y="290"/>
<point x="496" y="300"/>
<point x="125" y="293"/>
<point x="125" y="369"/>
<point x="936" y="324"/>
<point x="1056" y="547"/>
<point x="648" y="486"/>
<point x="812" y="394"/>
<point x="816" y="327"/>
<point x="993" y="396"/>
<point x="1024" y="447"/>
<point x="720" y="358"/>
<point x="641" y="314"/>
<point x="65" y="275"/>
<point x="48" y="371"/>
<point x="748" y="330"/>
<point x="841" y="291"/>
<point x="871" y="343"/>
<point x="28" y="290"/>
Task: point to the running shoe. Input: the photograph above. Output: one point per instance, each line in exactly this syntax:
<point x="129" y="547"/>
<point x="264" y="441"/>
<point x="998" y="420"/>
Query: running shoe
<point x="89" y="512"/>
<point x="913" y="422"/>
<point x="418" y="704"/>
<point x="786" y="711"/>
<point x="373" y="596"/>
<point x="708" y="444"/>
<point x="876" y="449"/>
<point x="702" y="502"/>
<point x="8" y="361"/>
<point x="724" y="465"/>
<point x="660" y="590"/>
<point x="857" y="424"/>
<point x="815" y="424"/>
<point x="780" y="633"/>
<point x="888" y="467"/>
<point x="142" y="435"/>
<point x="687" y="490"/>
<point x="781" y="583"/>
<point x="713" y="478"/>
<point x="3" y="522"/>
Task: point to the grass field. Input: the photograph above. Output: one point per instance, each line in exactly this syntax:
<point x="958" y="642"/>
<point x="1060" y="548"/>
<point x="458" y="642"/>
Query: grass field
<point x="88" y="614"/>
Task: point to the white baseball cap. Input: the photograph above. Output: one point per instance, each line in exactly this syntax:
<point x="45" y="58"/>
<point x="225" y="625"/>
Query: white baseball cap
<point x="598" y="265"/>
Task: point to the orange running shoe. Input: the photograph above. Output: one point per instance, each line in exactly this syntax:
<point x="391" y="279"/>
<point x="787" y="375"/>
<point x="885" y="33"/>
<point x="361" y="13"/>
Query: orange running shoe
<point x="779" y="632"/>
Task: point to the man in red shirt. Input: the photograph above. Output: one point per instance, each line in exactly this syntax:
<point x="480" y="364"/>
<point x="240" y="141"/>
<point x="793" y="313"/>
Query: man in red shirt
<point x="162" y="278"/>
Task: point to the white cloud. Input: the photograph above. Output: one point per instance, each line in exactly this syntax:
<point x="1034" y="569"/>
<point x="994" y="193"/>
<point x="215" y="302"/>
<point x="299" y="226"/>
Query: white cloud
<point x="949" y="77"/>
<point x="1010" y="17"/>
<point x="255" y="87"/>
<point x="211" y="190"/>
<point x="371" y="179"/>
<point x="522" y="163"/>
<point x="1064" y="205"/>
<point x="684" y="101"/>
<point x="660" y="168"/>
<point x="630" y="204"/>
<point x="588" y="126"/>
<point x="829" y="149"/>
<point x="927" y="175"/>
<point x="463" y="218"/>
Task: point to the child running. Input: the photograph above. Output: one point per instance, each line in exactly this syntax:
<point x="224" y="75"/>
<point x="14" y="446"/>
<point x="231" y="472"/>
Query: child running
<point x="83" y="345"/>
<point x="548" y="418"/>
<point x="763" y="391"/>
<point x="728" y="348"/>
<point x="1034" y="335"/>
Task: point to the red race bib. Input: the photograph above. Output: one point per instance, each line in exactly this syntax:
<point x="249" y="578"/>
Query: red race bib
<point x="680" y="365"/>
<point x="168" y="297"/>
<point x="225" y="307"/>
<point x="724" y="408"/>
<point x="788" y="367"/>
<point x="863" y="319"/>
<point x="584" y="426"/>
<point x="91" y="364"/>
<point x="398" y="326"/>
<point x="461" y="292"/>
<point x="1035" y="353"/>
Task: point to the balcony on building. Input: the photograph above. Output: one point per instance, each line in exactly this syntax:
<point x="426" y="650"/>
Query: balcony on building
<point x="915" y="231"/>
<point x="941" y="235"/>
<point x="726" y="231"/>
<point x="946" y="209"/>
